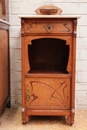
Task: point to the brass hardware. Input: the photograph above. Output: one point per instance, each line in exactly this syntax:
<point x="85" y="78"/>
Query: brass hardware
<point x="48" y="27"/>
<point x="27" y="95"/>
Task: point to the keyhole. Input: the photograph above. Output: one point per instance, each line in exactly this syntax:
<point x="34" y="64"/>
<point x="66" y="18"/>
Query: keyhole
<point x="49" y="27"/>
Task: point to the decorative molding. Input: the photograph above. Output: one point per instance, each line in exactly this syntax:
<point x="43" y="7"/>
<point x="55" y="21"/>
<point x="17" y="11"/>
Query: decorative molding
<point x="66" y="26"/>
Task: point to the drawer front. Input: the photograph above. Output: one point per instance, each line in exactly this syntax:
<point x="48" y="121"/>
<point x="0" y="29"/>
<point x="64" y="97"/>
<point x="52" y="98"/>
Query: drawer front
<point x="47" y="93"/>
<point x="48" y="26"/>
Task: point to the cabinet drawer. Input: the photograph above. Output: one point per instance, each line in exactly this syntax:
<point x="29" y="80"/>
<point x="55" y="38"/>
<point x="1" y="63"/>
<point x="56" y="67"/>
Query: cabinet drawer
<point x="47" y="93"/>
<point x="47" y="26"/>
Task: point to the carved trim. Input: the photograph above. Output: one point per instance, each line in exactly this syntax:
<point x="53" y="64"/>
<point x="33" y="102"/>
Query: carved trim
<point x="66" y="26"/>
<point x="48" y="9"/>
<point x="30" y="25"/>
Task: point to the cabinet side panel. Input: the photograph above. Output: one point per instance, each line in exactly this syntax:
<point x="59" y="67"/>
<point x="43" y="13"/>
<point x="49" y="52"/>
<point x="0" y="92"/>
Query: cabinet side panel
<point x="3" y="66"/>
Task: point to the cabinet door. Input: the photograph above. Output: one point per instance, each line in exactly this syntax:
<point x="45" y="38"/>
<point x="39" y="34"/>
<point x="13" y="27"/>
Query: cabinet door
<point x="47" y="93"/>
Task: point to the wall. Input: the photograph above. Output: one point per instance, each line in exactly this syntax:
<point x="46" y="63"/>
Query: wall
<point x="20" y="7"/>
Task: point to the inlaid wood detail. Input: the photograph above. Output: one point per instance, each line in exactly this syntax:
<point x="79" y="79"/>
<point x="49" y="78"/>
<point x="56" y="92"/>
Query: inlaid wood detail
<point x="40" y="92"/>
<point x="42" y="27"/>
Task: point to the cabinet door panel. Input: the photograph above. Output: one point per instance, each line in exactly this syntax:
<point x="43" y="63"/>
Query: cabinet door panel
<point x="47" y="93"/>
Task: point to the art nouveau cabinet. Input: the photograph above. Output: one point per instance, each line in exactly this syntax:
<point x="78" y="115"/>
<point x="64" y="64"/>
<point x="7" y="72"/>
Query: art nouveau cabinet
<point x="48" y="65"/>
<point x="4" y="66"/>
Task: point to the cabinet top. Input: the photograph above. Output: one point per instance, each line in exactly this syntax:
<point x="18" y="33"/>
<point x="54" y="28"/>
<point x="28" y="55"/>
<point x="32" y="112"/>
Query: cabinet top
<point x="49" y="16"/>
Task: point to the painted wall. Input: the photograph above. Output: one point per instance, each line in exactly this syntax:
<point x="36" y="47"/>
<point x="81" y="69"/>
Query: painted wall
<point x="20" y="7"/>
<point x="7" y="9"/>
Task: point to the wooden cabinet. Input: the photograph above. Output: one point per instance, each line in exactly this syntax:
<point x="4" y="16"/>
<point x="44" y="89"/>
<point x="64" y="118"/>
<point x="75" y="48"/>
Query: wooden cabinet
<point x="2" y="9"/>
<point x="48" y="65"/>
<point x="4" y="66"/>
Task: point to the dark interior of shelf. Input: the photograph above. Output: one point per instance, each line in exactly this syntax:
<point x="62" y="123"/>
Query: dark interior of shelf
<point x="48" y="55"/>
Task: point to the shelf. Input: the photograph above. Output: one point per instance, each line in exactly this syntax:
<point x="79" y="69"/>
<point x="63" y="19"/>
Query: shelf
<point x="48" y="74"/>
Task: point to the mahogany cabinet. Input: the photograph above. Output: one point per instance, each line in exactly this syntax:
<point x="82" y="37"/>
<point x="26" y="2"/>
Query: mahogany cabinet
<point x="4" y="66"/>
<point x="48" y="65"/>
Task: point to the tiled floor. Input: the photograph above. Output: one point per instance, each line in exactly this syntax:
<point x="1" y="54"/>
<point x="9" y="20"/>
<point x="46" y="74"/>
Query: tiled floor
<point x="11" y="120"/>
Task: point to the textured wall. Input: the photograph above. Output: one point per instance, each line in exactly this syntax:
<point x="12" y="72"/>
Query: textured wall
<point x="20" y="7"/>
<point x="7" y="9"/>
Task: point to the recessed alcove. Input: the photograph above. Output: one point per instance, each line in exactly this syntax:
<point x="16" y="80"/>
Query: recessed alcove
<point x="48" y="55"/>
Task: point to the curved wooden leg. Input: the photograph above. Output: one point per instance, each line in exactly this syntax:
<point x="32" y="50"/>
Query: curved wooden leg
<point x="70" y="119"/>
<point x="25" y="118"/>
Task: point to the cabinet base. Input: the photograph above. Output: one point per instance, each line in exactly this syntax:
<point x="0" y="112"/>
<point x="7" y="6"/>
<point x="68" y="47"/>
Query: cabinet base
<point x="67" y="113"/>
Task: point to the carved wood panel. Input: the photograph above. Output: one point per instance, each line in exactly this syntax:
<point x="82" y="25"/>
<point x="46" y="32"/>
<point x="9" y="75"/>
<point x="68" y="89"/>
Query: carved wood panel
<point x="47" y="93"/>
<point x="50" y="26"/>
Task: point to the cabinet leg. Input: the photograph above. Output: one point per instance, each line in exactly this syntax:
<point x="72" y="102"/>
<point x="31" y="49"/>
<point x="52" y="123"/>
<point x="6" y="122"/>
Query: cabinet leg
<point x="70" y="119"/>
<point x="24" y="121"/>
<point x="25" y="118"/>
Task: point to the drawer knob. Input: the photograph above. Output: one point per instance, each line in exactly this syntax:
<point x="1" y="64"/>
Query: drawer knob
<point x="48" y="27"/>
